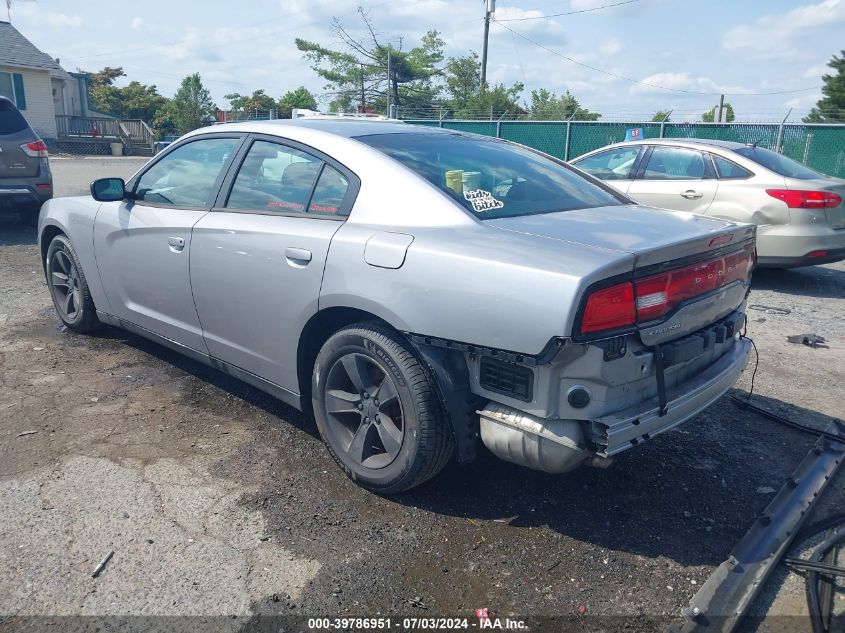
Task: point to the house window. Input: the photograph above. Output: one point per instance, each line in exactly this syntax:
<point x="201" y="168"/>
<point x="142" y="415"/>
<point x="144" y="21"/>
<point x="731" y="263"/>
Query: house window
<point x="11" y="86"/>
<point x="7" y="86"/>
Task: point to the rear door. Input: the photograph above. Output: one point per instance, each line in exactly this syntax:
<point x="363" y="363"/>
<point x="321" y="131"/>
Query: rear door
<point x="677" y="178"/>
<point x="143" y="246"/>
<point x="257" y="259"/>
<point x="615" y="166"/>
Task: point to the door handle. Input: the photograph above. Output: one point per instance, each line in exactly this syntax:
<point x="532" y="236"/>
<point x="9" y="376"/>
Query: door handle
<point x="691" y="194"/>
<point x="176" y="244"/>
<point x="297" y="256"/>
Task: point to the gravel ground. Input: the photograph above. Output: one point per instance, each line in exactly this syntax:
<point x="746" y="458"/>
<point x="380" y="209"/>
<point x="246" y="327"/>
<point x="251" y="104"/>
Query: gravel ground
<point x="218" y="500"/>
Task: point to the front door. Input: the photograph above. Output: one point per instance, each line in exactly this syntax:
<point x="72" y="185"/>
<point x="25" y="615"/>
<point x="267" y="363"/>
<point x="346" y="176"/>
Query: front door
<point x="258" y="258"/>
<point x="143" y="245"/>
<point x="675" y="178"/>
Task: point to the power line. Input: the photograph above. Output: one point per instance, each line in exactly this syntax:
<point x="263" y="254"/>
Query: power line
<point x="558" y="15"/>
<point x="645" y="83"/>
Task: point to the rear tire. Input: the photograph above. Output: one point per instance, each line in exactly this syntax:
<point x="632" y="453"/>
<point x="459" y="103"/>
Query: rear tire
<point x="68" y="287"/>
<point x="377" y="410"/>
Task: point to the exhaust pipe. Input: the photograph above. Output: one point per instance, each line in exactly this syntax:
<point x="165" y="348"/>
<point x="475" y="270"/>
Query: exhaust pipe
<point x="553" y="446"/>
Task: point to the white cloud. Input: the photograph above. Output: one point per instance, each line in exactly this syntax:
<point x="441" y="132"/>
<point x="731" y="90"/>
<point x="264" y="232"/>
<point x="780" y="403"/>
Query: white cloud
<point x="684" y="81"/>
<point x="36" y="17"/>
<point x="136" y="23"/>
<point x="775" y="35"/>
<point x="610" y="47"/>
<point x="582" y="5"/>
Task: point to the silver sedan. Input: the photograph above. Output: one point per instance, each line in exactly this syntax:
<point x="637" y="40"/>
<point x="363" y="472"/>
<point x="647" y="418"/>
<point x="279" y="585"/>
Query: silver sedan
<point x="799" y="212"/>
<point x="421" y="291"/>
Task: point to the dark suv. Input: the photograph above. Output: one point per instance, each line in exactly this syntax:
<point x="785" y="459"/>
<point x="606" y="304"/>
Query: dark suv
<point x="25" y="178"/>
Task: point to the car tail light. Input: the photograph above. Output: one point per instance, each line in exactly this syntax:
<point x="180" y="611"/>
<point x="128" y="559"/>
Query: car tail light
<point x="35" y="148"/>
<point x="801" y="199"/>
<point x="609" y="308"/>
<point x="654" y="296"/>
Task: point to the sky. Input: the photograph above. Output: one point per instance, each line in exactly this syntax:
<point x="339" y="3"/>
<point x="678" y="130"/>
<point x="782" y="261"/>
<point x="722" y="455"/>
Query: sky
<point x="626" y="61"/>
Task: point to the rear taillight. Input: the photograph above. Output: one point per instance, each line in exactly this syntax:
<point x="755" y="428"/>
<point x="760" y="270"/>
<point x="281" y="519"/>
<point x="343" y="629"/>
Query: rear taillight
<point x="35" y="148"/>
<point x="654" y="296"/>
<point x="802" y="199"/>
<point x="609" y="308"/>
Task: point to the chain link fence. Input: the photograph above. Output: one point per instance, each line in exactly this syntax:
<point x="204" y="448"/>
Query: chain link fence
<point x="821" y="147"/>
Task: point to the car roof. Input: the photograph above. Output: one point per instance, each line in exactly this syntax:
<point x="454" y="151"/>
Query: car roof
<point x="686" y="142"/>
<point x="348" y="127"/>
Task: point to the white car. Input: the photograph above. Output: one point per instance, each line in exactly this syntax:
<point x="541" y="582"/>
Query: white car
<point x="799" y="212"/>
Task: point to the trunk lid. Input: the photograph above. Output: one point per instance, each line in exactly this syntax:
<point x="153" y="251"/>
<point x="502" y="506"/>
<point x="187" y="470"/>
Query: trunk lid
<point x="653" y="236"/>
<point x="835" y="216"/>
<point x="15" y="131"/>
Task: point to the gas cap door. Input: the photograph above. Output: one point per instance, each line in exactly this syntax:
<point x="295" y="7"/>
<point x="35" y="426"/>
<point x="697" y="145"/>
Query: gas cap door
<point x="387" y="250"/>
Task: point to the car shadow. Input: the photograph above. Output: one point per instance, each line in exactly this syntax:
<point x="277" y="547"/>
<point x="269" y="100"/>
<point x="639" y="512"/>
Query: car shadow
<point x="15" y="233"/>
<point x="825" y="282"/>
<point x="688" y="495"/>
<point x="210" y="376"/>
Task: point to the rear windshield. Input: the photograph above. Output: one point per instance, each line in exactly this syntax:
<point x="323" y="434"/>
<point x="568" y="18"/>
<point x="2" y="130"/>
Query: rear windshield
<point x="492" y="179"/>
<point x="11" y="120"/>
<point x="778" y="163"/>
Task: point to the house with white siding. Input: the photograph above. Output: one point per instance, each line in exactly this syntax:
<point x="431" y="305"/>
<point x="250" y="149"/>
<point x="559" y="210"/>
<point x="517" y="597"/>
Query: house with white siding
<point x="56" y="102"/>
<point x="36" y="83"/>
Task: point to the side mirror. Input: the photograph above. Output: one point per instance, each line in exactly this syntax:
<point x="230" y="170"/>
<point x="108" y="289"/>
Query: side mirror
<point x="108" y="189"/>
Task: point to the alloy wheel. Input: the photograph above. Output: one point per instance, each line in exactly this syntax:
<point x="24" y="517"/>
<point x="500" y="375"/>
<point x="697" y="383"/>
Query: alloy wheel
<point x="364" y="411"/>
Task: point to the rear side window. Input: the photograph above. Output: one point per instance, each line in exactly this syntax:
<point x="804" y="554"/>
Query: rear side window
<point x="185" y="177"/>
<point x="778" y="163"/>
<point x="11" y="121"/>
<point x="674" y="163"/>
<point x="274" y="178"/>
<point x="491" y="178"/>
<point x="615" y="164"/>
<point x="727" y="170"/>
<point x="329" y="193"/>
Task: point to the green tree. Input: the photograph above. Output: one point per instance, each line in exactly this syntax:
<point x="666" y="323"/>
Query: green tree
<point x="496" y="102"/>
<point x="258" y="100"/>
<point x="546" y="106"/>
<point x="462" y="80"/>
<point x="103" y="93"/>
<point x="831" y="107"/>
<point x="135" y="101"/>
<point x="191" y="106"/>
<point x="140" y="101"/>
<point x="710" y="115"/>
<point x="660" y="116"/>
<point x="364" y="73"/>
<point x="299" y="98"/>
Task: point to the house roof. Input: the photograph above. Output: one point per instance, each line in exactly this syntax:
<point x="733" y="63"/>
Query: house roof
<point x="19" y="51"/>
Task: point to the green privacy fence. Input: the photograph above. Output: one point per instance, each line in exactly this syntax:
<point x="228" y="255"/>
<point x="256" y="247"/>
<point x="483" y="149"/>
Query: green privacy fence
<point x="821" y="147"/>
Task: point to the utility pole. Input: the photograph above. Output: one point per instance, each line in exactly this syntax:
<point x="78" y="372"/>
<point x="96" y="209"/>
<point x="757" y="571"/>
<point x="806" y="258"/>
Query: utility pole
<point x="389" y="87"/>
<point x="721" y="106"/>
<point x="490" y="8"/>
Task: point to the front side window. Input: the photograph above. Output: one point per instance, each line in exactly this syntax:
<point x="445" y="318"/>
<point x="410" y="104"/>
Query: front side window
<point x="674" y="163"/>
<point x="491" y="178"/>
<point x="728" y="170"/>
<point x="778" y="163"/>
<point x="614" y="164"/>
<point x="274" y="178"/>
<point x="185" y="177"/>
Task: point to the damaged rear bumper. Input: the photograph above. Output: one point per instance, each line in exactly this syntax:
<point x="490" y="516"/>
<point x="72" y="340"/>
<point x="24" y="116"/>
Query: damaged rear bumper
<point x="615" y="432"/>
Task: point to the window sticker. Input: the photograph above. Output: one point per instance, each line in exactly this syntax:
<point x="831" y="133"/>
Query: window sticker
<point x="482" y="200"/>
<point x="272" y="204"/>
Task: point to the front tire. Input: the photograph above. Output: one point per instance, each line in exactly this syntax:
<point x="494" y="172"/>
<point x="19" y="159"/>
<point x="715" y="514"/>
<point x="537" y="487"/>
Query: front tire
<point x="68" y="287"/>
<point x="377" y="410"/>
